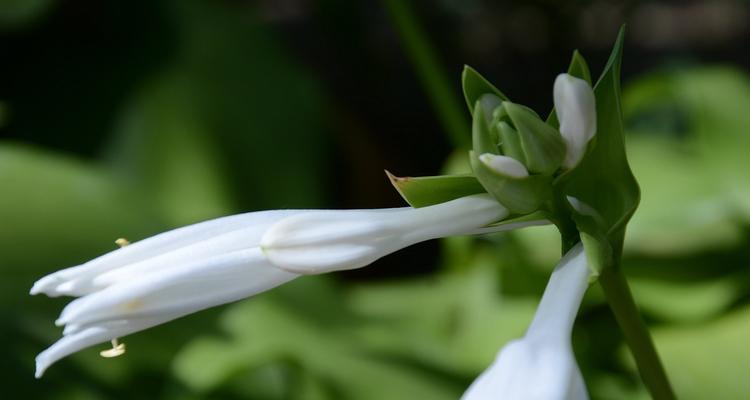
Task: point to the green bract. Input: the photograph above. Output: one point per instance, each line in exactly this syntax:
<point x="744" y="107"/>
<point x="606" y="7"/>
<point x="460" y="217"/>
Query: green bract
<point x="603" y="181"/>
<point x="519" y="195"/>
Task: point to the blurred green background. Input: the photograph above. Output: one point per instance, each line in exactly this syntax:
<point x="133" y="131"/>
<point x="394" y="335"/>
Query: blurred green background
<point x="126" y="118"/>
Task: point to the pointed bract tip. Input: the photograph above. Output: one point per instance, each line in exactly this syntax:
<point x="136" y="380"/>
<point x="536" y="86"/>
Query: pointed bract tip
<point x="393" y="178"/>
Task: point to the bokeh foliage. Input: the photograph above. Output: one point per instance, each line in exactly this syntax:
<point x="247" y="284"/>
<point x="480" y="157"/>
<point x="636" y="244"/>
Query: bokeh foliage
<point x="225" y="119"/>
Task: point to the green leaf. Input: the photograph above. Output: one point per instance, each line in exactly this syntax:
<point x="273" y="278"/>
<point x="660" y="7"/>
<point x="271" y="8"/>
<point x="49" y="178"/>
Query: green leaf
<point x="455" y="322"/>
<point x="57" y="212"/>
<point x="18" y="14"/>
<point x="275" y="330"/>
<point x="474" y="86"/>
<point x="603" y="180"/>
<point x="429" y="190"/>
<point x="688" y="143"/>
<point x="707" y="361"/>
<point x="686" y="301"/>
<point x="164" y="147"/>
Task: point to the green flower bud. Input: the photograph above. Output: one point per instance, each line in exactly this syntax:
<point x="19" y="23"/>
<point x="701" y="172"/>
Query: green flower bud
<point x="542" y="145"/>
<point x="503" y="176"/>
<point x="519" y="194"/>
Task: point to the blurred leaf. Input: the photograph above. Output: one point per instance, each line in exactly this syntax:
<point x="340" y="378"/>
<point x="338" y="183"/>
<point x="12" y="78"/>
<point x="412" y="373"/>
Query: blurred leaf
<point x="456" y="323"/>
<point x="689" y="152"/>
<point x="708" y="361"/>
<point x="259" y="106"/>
<point x="683" y="208"/>
<point x="16" y="14"/>
<point x="57" y="211"/>
<point x="264" y="330"/>
<point x="685" y="301"/>
<point x="163" y="147"/>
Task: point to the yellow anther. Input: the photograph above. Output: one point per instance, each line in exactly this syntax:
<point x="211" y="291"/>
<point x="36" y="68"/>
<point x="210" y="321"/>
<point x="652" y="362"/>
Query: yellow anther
<point x="117" y="349"/>
<point x="122" y="242"/>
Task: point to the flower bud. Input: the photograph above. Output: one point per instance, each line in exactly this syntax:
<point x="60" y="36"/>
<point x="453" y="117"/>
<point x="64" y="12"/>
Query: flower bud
<point x="504" y="165"/>
<point x="542" y="145"/>
<point x="576" y="110"/>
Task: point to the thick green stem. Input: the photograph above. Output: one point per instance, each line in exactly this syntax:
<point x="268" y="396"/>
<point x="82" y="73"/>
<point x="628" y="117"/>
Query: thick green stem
<point x="636" y="333"/>
<point x="447" y="106"/>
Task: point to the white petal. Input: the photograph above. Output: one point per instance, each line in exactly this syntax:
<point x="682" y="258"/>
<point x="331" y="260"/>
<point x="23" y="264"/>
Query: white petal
<point x="541" y="365"/>
<point x="525" y="370"/>
<point x="562" y="297"/>
<point x="576" y="110"/>
<point x="324" y="241"/>
<point x="504" y="165"/>
<point x="79" y="280"/>
<point x="94" y="334"/>
<point x="191" y="287"/>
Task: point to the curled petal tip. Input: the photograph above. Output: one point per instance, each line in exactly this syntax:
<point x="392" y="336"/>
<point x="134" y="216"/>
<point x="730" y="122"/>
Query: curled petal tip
<point x="44" y="285"/>
<point x="39" y="372"/>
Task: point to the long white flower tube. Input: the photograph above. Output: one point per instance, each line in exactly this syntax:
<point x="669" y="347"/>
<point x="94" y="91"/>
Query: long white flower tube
<point x="541" y="365"/>
<point x="576" y="110"/>
<point x="223" y="260"/>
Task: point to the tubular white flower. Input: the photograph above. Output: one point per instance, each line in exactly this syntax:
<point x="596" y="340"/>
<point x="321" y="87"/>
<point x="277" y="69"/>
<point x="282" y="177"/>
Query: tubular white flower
<point x="325" y="241"/>
<point x="576" y="110"/>
<point x="223" y="260"/>
<point x="541" y="365"/>
<point x="504" y="165"/>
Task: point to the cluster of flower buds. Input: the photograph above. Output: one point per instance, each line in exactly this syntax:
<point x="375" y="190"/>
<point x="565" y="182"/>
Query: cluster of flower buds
<point x="516" y="155"/>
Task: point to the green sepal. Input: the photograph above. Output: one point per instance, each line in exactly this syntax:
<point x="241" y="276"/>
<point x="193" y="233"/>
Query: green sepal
<point x="510" y="141"/>
<point x="579" y="68"/>
<point x="474" y="86"/>
<point x="430" y="190"/>
<point x="483" y="141"/>
<point x="519" y="195"/>
<point x="542" y="144"/>
<point x="603" y="180"/>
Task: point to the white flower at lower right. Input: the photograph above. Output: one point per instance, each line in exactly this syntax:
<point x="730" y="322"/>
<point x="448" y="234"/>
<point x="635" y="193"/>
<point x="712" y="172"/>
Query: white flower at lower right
<point x="541" y="365"/>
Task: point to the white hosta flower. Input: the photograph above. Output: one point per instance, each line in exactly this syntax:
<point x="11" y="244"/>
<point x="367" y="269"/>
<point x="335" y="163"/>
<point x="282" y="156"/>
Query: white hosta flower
<point x="541" y="365"/>
<point x="219" y="261"/>
<point x="576" y="110"/>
